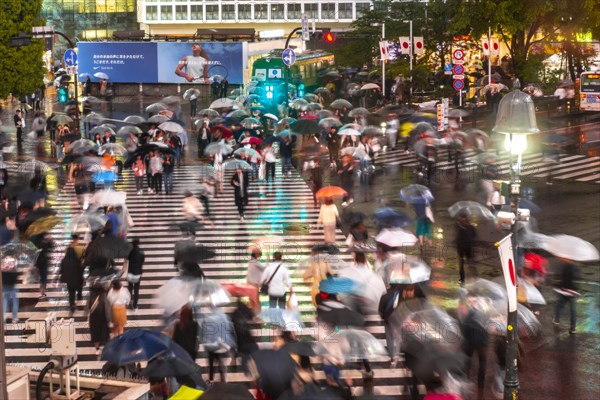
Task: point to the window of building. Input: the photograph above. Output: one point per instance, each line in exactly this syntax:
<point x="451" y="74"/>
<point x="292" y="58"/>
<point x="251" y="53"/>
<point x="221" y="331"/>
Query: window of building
<point x="244" y="12"/>
<point x="277" y="12"/>
<point x="212" y="12"/>
<point x="228" y="12"/>
<point x="294" y="11"/>
<point x="181" y="12"/>
<point x="166" y="13"/>
<point x="260" y="11"/>
<point x="328" y="11"/>
<point x="196" y="13"/>
<point x="311" y="11"/>
<point x="151" y="13"/>
<point x="345" y="10"/>
<point x="361" y="8"/>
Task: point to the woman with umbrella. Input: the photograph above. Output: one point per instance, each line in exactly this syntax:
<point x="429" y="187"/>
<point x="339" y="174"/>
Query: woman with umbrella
<point x="328" y="217"/>
<point x="346" y="173"/>
<point x="97" y="318"/>
<point x="43" y="262"/>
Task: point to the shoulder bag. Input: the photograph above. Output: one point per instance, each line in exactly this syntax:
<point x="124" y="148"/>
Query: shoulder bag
<point x="264" y="288"/>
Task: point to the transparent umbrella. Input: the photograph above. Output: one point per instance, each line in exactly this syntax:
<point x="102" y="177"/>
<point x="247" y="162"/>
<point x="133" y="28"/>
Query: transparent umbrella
<point x="156" y="107"/>
<point x="416" y="194"/>
<point x="340" y="103"/>
<point x="134" y="119"/>
<point x="191" y="94"/>
<point x="406" y="269"/>
<point x="359" y="112"/>
<point x="251" y="123"/>
<point x="330" y="123"/>
<point x="178" y="292"/>
<point x="158" y="119"/>
<point x="396" y="237"/>
<point x="571" y="247"/>
<point x="209" y="112"/>
<point x="112" y="148"/>
<point x="470" y="208"/>
<point x="171" y="126"/>
<point x="235" y="164"/>
<point x="128" y="129"/>
<point x="351" y="345"/>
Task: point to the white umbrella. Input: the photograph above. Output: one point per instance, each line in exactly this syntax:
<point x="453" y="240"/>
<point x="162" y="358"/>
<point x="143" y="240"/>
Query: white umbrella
<point x="351" y="345"/>
<point x="369" y="86"/>
<point x="134" y="119"/>
<point x="178" y="292"/>
<point x="218" y="147"/>
<point x="222" y="103"/>
<point x="407" y="269"/>
<point x="396" y="237"/>
<point x="108" y="197"/>
<point x="101" y="75"/>
<point x="170" y="126"/>
<point x="156" y="107"/>
<point x="158" y="119"/>
<point x="112" y="148"/>
<point x="271" y="116"/>
<point x="571" y="247"/>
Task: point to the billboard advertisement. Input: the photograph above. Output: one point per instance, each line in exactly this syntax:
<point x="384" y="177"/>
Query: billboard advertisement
<point x="164" y="62"/>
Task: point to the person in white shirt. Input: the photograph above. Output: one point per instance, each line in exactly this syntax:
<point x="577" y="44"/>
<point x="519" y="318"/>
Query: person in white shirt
<point x="270" y="159"/>
<point x="193" y="211"/>
<point x="254" y="278"/>
<point x="328" y="216"/>
<point x="391" y="130"/>
<point x="156" y="168"/>
<point x="278" y="277"/>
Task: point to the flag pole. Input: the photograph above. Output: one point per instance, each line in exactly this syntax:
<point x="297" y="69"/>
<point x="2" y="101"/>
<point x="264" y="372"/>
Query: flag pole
<point x="383" y="62"/>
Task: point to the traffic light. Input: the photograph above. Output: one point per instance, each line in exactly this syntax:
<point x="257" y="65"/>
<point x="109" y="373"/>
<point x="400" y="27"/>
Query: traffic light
<point x="323" y="39"/>
<point x="269" y="92"/>
<point x="328" y="37"/>
<point x="301" y="90"/>
<point x="62" y="95"/>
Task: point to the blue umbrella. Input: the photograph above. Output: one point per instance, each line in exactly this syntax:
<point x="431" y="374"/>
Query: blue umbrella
<point x="390" y="218"/>
<point x="337" y="284"/>
<point x="416" y="194"/>
<point x="176" y="350"/>
<point x="104" y="177"/>
<point x="135" y="345"/>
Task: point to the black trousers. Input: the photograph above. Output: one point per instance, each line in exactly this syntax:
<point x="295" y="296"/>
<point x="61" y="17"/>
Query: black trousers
<point x="74" y="290"/>
<point x="464" y="253"/>
<point x="218" y="357"/>
<point x="134" y="290"/>
<point x="157" y="182"/>
<point x="270" y="171"/>
<point x="482" y="360"/>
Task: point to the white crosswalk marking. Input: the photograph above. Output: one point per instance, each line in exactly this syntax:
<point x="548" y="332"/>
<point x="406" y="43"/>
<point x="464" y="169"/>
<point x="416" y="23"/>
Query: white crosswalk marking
<point x="271" y="208"/>
<point x="571" y="167"/>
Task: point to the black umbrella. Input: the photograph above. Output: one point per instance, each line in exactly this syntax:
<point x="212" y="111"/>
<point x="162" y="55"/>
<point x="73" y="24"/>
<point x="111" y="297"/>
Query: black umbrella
<point x="108" y="247"/>
<point x="339" y="316"/>
<point x="171" y="366"/>
<point x="353" y="217"/>
<point x="188" y="252"/>
<point x="326" y="248"/>
<point x="104" y="275"/>
<point x="274" y="370"/>
<point x="229" y="391"/>
<point x="305" y="126"/>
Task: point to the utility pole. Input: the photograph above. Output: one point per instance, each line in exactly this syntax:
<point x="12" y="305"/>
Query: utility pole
<point x="383" y="63"/>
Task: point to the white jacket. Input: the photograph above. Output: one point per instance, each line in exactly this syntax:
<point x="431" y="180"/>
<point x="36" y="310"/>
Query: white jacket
<point x="281" y="280"/>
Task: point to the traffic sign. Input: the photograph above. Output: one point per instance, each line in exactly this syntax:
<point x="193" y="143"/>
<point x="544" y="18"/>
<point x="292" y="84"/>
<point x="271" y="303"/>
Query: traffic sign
<point x="70" y="58"/>
<point x="305" y="34"/>
<point x="458" y="84"/>
<point x="458" y="69"/>
<point x="457" y="62"/>
<point x="458" y="54"/>
<point x="460" y="76"/>
<point x="447" y="67"/>
<point x="289" y="57"/>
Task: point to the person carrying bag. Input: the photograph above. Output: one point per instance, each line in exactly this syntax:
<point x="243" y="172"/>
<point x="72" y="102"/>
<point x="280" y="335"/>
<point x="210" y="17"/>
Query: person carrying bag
<point x="275" y="282"/>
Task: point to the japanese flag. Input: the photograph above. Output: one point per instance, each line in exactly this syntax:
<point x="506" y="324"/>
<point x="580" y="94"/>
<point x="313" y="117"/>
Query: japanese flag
<point x="384" y="50"/>
<point x="405" y="44"/>
<point x="505" y="249"/>
<point x="495" y="46"/>
<point x="485" y="44"/>
<point x="419" y="45"/>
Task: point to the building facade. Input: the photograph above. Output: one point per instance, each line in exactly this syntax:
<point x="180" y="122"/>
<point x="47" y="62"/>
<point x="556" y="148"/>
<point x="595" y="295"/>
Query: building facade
<point x="90" y="19"/>
<point x="184" y="17"/>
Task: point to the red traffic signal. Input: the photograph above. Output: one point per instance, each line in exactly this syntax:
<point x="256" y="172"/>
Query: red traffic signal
<point x="328" y="37"/>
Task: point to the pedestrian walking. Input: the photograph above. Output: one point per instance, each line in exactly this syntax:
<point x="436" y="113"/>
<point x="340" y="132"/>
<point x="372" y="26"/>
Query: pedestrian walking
<point x="464" y="240"/>
<point x="277" y="278"/>
<point x="286" y="151"/>
<point x="316" y="179"/>
<point x="156" y="167"/>
<point x="10" y="291"/>
<point x="328" y="217"/>
<point x="425" y="220"/>
<point x="346" y="173"/>
<point x="43" y="262"/>
<point x="185" y="332"/>
<point x="19" y="124"/>
<point x="71" y="273"/>
<point x="139" y="171"/>
<point x="118" y="298"/>
<point x="317" y="270"/>
<point x="217" y="342"/>
<point x="135" y="264"/>
<point x="149" y="181"/>
<point x="254" y="278"/>
<point x="392" y="126"/>
<point x="269" y="158"/>
<point x="193" y="213"/>
<point x="567" y="294"/>
<point x="224" y="87"/>
<point x="333" y="145"/>
<point x="168" y="168"/>
<point x="97" y="318"/>
<point x="239" y="181"/>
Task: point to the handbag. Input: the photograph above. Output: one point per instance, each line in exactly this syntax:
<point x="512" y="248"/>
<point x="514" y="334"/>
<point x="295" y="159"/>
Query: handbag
<point x="132" y="278"/>
<point x="264" y="288"/>
<point x="262" y="171"/>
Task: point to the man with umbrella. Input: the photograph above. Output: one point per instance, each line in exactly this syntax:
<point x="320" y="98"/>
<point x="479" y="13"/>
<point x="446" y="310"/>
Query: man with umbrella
<point x="465" y="237"/>
<point x="333" y="145"/>
<point x="566" y="290"/>
<point x="19" y="124"/>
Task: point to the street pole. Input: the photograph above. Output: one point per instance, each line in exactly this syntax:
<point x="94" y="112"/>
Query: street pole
<point x="489" y="55"/>
<point x="72" y="46"/>
<point x="383" y="63"/>
<point x="287" y="69"/>
<point x="511" y="374"/>
<point x="410" y="34"/>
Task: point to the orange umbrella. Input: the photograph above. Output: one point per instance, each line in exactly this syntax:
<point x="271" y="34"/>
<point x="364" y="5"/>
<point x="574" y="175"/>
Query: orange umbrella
<point x="331" y="191"/>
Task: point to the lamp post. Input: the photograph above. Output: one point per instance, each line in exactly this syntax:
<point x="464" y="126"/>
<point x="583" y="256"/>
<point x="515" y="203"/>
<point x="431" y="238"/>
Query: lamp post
<point x="515" y="119"/>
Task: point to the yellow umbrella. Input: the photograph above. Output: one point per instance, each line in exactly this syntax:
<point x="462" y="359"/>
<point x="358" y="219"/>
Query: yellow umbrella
<point x="42" y="225"/>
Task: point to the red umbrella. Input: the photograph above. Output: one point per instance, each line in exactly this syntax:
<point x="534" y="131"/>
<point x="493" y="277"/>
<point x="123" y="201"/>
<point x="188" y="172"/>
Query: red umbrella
<point x="309" y="116"/>
<point x="252" y="140"/>
<point x="225" y="132"/>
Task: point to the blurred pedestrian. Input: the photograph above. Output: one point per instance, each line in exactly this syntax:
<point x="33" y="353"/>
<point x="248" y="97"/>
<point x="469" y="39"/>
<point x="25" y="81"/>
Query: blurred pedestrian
<point x="97" y="318"/>
<point x="346" y="173"/>
<point x="425" y="220"/>
<point x="156" y="168"/>
<point x="254" y="276"/>
<point x="392" y="125"/>
<point x="464" y="240"/>
<point x="168" y="168"/>
<point x="193" y="212"/>
<point x="185" y="332"/>
<point x="19" y="124"/>
<point x="135" y="264"/>
<point x="328" y="217"/>
<point x="333" y="145"/>
<point x="567" y="294"/>
<point x="239" y="181"/>
<point x="10" y="291"/>
<point x="269" y="158"/>
<point x="118" y="298"/>
<point x="139" y="171"/>
<point x="43" y="262"/>
<point x="71" y="273"/>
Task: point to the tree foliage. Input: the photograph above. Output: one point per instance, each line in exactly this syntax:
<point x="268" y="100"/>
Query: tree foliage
<point x="21" y="68"/>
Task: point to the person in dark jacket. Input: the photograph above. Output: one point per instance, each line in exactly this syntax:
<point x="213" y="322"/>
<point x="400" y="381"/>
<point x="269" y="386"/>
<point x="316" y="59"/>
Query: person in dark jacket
<point x="333" y="145"/>
<point x="71" y="273"/>
<point x="246" y="343"/>
<point x="97" y="319"/>
<point x="475" y="341"/>
<point x="239" y="181"/>
<point x="285" y="151"/>
<point x="465" y="238"/>
<point x="185" y="333"/>
<point x="566" y="290"/>
<point x="135" y="261"/>
<point x="43" y="262"/>
<point x="346" y="173"/>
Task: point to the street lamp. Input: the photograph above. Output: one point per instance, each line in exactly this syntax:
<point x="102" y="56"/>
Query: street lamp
<point x="515" y="119"/>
